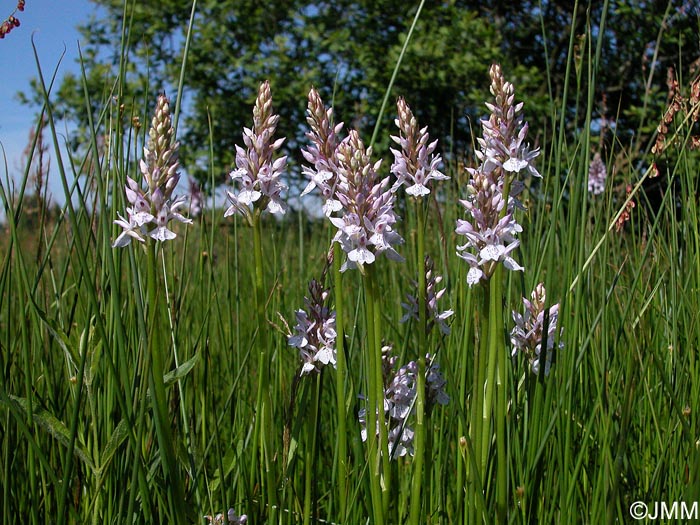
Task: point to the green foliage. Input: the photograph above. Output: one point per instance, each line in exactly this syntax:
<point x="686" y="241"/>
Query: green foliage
<point x="347" y="49"/>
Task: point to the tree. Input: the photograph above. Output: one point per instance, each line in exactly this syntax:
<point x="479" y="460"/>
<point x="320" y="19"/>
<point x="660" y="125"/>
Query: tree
<point x="348" y="49"/>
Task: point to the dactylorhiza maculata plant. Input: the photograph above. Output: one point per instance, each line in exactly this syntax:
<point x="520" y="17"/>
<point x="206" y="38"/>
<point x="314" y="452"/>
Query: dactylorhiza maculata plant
<point x="366" y="226"/>
<point x="502" y="154"/>
<point x="365" y="230"/>
<point x="314" y="334"/>
<point x="596" y="175"/>
<point x="148" y="218"/>
<point x="258" y="176"/>
<point x="321" y="155"/>
<point x="399" y="401"/>
<point x="315" y="337"/>
<point x="491" y="237"/>
<point x="257" y="172"/>
<point x="323" y="174"/>
<point x="530" y="333"/>
<point x="415" y="164"/>
<point x="150" y="211"/>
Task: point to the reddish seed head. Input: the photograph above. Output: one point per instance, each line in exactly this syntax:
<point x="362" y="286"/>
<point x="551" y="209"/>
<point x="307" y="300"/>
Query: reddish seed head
<point x="11" y="22"/>
<point x="654" y="171"/>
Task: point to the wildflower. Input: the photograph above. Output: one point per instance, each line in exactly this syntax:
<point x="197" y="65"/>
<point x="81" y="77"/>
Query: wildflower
<point x="132" y="229"/>
<point x="399" y="400"/>
<point x="415" y="162"/>
<point x="167" y="212"/>
<point x="366" y="227"/>
<point x="435" y="382"/>
<point x="151" y="210"/>
<point x="321" y="154"/>
<point x="432" y="297"/>
<point x="596" y="175"/>
<point x="502" y="154"/>
<point x="399" y="397"/>
<point x="349" y="186"/>
<point x="529" y="332"/>
<point x="257" y="172"/>
<point x="235" y="519"/>
<point x="314" y="333"/>
<point x="196" y="199"/>
<point x="231" y="518"/>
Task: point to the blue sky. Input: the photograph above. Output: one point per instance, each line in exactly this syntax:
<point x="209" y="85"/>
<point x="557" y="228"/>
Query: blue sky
<point x="53" y="23"/>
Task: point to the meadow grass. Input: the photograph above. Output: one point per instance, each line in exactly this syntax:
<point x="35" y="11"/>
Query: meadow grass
<point x="83" y="441"/>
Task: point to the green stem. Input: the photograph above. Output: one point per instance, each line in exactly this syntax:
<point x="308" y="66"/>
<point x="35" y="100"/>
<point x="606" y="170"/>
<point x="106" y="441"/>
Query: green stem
<point x="67" y="470"/>
<point x="340" y="382"/>
<point x="28" y="381"/>
<point x="263" y="423"/>
<point x="137" y="472"/>
<point x="467" y="368"/>
<point x="493" y="335"/>
<point x="501" y="401"/>
<point x="419" y="435"/>
<point x="497" y="322"/>
<point x="476" y="471"/>
<point x="311" y="433"/>
<point x="373" y="402"/>
<point x="383" y="431"/>
<point x="182" y="396"/>
<point x="493" y="412"/>
<point x="158" y="397"/>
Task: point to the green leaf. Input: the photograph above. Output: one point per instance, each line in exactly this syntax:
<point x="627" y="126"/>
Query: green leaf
<point x="118" y="436"/>
<point x="228" y="461"/>
<point x="56" y="429"/>
<point x="69" y="349"/>
<point x="181" y="371"/>
<point x="293" y="444"/>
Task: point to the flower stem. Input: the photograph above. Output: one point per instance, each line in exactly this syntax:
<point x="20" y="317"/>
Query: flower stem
<point x="158" y="398"/>
<point x="494" y="328"/>
<point x="501" y="410"/>
<point x="374" y="402"/>
<point x="311" y="433"/>
<point x="497" y="408"/>
<point x="181" y="391"/>
<point x="383" y="430"/>
<point x="476" y="470"/>
<point x="263" y="430"/>
<point x="495" y="344"/>
<point x="419" y="435"/>
<point x="340" y="381"/>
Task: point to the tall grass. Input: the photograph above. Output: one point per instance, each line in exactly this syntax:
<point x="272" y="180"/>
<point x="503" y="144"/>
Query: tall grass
<point x="613" y="423"/>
